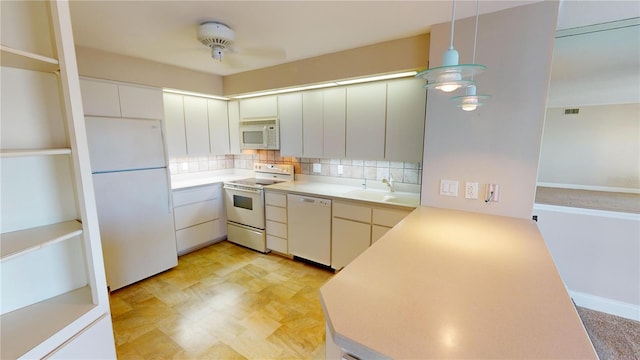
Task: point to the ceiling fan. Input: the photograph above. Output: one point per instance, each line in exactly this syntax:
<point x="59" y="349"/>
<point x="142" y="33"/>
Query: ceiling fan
<point x="216" y="35"/>
<point x="220" y="39"/>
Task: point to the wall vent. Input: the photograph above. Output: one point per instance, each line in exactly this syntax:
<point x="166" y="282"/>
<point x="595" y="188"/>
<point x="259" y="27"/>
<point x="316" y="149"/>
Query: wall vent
<point x="571" y="111"/>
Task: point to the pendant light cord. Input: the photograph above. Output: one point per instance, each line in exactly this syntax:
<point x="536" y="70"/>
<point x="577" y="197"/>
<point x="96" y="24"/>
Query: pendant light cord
<point x="453" y="21"/>
<point x="475" y="33"/>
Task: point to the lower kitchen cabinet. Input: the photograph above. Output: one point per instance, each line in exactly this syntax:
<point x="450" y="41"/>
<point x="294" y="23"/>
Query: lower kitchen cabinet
<point x="350" y="234"/>
<point x="383" y="219"/>
<point x="355" y="227"/>
<point x="276" y="221"/>
<point x="350" y="239"/>
<point x="199" y="217"/>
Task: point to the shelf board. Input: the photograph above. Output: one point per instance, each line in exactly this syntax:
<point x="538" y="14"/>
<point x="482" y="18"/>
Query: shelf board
<point x="17" y="243"/>
<point x="33" y="152"/>
<point x="26" y="328"/>
<point x="25" y="60"/>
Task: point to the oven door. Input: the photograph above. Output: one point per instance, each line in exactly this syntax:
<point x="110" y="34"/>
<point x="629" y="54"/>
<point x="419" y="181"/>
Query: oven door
<point x="245" y="206"/>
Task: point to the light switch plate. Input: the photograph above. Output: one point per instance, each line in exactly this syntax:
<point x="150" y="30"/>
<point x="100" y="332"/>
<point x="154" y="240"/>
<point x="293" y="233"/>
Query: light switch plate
<point x="317" y="167"/>
<point x="449" y="187"/>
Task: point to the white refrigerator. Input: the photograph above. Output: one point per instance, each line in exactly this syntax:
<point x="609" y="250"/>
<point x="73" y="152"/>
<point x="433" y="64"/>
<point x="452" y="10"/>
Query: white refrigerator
<point x="133" y="198"/>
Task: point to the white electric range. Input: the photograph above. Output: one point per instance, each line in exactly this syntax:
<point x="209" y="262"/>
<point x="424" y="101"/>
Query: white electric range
<point x="244" y="202"/>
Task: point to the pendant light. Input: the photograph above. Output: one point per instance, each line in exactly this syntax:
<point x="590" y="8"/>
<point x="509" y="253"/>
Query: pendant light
<point x="471" y="100"/>
<point x="451" y="75"/>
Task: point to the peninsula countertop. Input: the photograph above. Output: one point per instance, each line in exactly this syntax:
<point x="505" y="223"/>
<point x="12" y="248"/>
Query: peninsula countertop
<point x="453" y="284"/>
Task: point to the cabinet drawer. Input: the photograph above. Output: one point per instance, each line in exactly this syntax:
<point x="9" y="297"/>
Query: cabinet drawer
<point x="388" y="217"/>
<point x="197" y="235"/>
<point x="352" y="212"/>
<point x="195" y="194"/>
<point x="277" y="244"/>
<point x="196" y="213"/>
<point x="277" y="229"/>
<point x="276" y="213"/>
<point x="275" y="199"/>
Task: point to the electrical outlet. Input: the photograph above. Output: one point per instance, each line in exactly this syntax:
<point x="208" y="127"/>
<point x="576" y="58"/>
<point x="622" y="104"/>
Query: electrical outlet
<point x="471" y="190"/>
<point x="340" y="169"/>
<point x="317" y="167"/>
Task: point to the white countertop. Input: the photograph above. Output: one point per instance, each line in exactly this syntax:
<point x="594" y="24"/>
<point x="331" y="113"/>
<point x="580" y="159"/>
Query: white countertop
<point x="348" y="192"/>
<point x="181" y="181"/>
<point x="448" y="284"/>
<point x="349" y="189"/>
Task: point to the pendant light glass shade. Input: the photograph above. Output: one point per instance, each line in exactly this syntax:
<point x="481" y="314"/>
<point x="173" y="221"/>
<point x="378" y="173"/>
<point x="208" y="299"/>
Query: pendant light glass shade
<point x="471" y="100"/>
<point x="451" y="75"/>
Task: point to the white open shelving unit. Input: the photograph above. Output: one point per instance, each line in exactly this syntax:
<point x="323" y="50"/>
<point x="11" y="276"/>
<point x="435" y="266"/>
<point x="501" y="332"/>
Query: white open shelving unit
<point x="53" y="288"/>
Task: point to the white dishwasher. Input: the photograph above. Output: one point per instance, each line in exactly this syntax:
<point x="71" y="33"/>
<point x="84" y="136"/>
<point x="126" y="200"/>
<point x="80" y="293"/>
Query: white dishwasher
<point x="309" y="228"/>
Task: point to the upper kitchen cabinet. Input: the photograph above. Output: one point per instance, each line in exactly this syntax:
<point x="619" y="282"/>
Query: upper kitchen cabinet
<point x="174" y="125"/>
<point x="406" y="99"/>
<point x="323" y="120"/>
<point x="218" y="126"/>
<point x="196" y="125"/>
<point x="312" y="124"/>
<point x="334" y="118"/>
<point x="196" y="121"/>
<point x="365" y="131"/>
<point x="233" y="111"/>
<point x="290" y="111"/>
<point x="110" y="99"/>
<point x="263" y="106"/>
<point x="54" y="291"/>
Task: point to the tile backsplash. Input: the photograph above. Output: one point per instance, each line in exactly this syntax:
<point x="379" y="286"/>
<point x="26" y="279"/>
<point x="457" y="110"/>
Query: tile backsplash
<point x="403" y="172"/>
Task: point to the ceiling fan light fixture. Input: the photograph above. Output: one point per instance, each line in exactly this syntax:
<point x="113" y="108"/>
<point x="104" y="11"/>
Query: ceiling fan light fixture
<point x="216" y="35"/>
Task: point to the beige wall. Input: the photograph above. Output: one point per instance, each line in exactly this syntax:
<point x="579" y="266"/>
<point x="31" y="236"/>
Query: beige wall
<point x="410" y="53"/>
<point x="500" y="142"/>
<point x="598" y="147"/>
<point x="105" y="65"/>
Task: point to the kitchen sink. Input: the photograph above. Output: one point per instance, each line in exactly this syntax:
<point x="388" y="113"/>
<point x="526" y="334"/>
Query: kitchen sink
<point x="399" y="198"/>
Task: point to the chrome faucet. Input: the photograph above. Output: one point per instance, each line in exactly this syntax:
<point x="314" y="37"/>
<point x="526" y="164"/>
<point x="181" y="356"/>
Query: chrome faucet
<point x="389" y="183"/>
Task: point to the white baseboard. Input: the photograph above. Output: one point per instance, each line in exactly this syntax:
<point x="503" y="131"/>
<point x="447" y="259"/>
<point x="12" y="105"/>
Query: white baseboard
<point x="609" y="306"/>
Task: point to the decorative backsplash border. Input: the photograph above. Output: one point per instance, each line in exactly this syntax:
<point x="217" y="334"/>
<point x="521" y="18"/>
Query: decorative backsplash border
<point x="403" y="172"/>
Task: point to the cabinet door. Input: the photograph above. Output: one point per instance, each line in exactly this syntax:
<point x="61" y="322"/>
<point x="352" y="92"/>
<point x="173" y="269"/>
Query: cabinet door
<point x="196" y="121"/>
<point x="405" y="120"/>
<point x="290" y="110"/>
<point x="233" y="110"/>
<point x="334" y="108"/>
<point x="218" y="127"/>
<point x="140" y="102"/>
<point x="263" y="106"/>
<point x="100" y="98"/>
<point x="348" y="240"/>
<point x="312" y="124"/>
<point x="377" y="232"/>
<point x="174" y="125"/>
<point x="366" y="121"/>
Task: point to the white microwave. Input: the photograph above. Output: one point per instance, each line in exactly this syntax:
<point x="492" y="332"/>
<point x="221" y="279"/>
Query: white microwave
<point x="259" y="133"/>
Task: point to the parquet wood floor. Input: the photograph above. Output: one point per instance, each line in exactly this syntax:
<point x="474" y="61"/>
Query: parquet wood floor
<point x="223" y="302"/>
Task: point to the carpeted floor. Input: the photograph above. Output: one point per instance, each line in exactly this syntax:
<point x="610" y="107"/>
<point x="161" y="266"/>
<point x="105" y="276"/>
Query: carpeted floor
<point x="613" y="337"/>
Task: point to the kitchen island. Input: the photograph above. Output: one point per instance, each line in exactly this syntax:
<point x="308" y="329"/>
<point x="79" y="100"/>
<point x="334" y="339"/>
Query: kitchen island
<point x="454" y="284"/>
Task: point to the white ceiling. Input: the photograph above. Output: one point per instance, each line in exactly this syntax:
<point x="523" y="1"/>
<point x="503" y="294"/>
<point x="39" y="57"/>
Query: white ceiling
<point x="280" y="31"/>
<point x="275" y="32"/>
